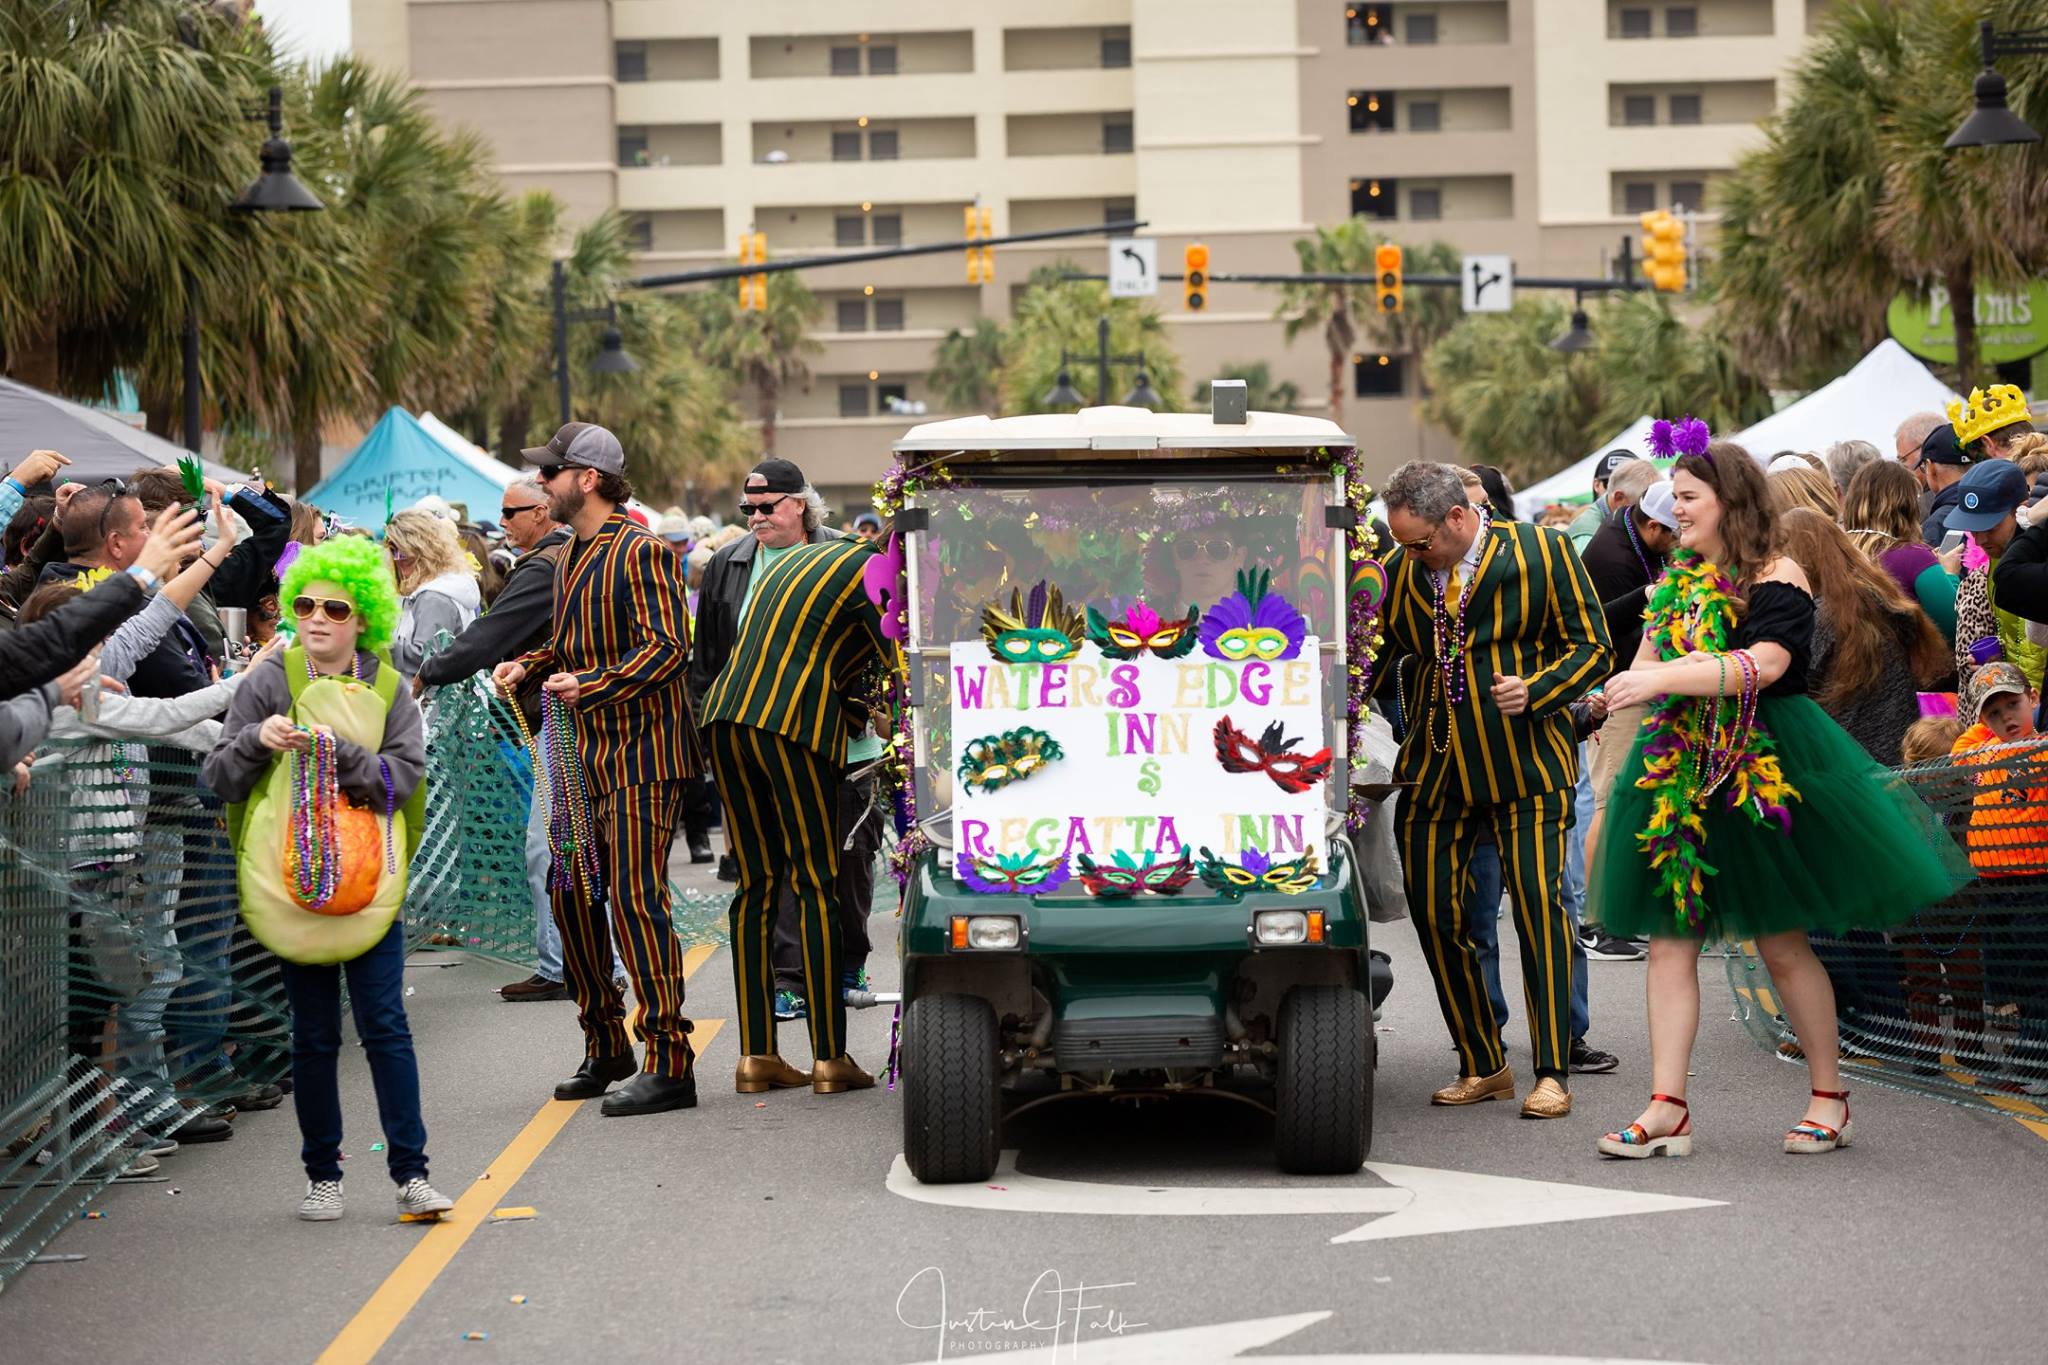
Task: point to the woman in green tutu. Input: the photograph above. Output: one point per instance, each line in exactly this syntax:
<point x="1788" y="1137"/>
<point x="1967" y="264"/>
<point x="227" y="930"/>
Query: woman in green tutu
<point x="1743" y="812"/>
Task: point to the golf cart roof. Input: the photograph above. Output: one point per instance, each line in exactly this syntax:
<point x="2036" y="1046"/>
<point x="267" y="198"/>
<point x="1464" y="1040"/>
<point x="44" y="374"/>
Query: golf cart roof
<point x="1124" y="429"/>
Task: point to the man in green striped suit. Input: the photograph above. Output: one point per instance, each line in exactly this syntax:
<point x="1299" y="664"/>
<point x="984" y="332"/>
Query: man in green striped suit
<point x="1506" y="632"/>
<point x="779" y="719"/>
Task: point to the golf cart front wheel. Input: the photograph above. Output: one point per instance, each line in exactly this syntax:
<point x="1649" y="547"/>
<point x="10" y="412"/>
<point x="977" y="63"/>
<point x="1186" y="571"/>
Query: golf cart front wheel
<point x="1323" y="1108"/>
<point x="952" y="1115"/>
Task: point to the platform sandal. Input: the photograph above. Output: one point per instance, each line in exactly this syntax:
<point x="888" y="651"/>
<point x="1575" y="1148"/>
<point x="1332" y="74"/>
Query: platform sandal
<point x="1808" y="1137"/>
<point x="1635" y="1141"/>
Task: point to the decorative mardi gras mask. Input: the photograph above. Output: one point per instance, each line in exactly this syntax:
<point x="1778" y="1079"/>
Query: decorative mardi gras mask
<point x="1142" y="631"/>
<point x="1253" y="624"/>
<point x="1126" y="876"/>
<point x="995" y="761"/>
<point x="1368" y="584"/>
<point x="882" y="577"/>
<point x="1254" y="871"/>
<point x="1040" y="630"/>
<point x="1012" y="874"/>
<point x="1273" y="754"/>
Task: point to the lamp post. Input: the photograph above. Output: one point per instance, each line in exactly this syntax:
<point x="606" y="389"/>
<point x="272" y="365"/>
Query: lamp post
<point x="1992" y="123"/>
<point x="1580" y="336"/>
<point x="1063" y="394"/>
<point x="611" y="350"/>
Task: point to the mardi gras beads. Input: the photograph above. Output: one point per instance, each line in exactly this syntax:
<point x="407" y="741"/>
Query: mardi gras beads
<point x="313" y="850"/>
<point x="570" y="835"/>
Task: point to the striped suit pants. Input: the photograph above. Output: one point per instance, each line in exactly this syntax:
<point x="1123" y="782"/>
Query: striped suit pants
<point x="1437" y="844"/>
<point x="781" y="822"/>
<point x="633" y="827"/>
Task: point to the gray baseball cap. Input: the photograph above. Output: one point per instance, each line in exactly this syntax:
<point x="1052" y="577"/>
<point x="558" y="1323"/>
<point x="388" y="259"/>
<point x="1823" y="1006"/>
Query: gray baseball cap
<point x="581" y="443"/>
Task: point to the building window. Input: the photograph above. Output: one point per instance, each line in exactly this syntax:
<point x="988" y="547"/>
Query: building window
<point x="888" y="229"/>
<point x="1419" y="30"/>
<point x="888" y="315"/>
<point x="1116" y="135"/>
<point x="849" y="230"/>
<point x="882" y="60"/>
<point x="1635" y="23"/>
<point x="1379" y="199"/>
<point x="1372" y="111"/>
<point x="1638" y="196"/>
<point x="853" y="400"/>
<point x="846" y="61"/>
<point x="853" y="315"/>
<point x="1426" y="205"/>
<point x="1681" y="21"/>
<point x="632" y="146"/>
<point x="1639" y="111"/>
<point x="1425" y="116"/>
<point x="888" y="397"/>
<point x="1688" y="194"/>
<point x="881" y="145"/>
<point x="640" y="233"/>
<point x="1116" y="49"/>
<point x="1119" y="210"/>
<point x="629" y="61"/>
<point x="1377" y="376"/>
<point x="1368" y="25"/>
<point x="1685" y="108"/>
<point x="846" y="146"/>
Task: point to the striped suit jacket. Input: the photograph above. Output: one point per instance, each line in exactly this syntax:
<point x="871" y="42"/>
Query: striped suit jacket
<point x="622" y="626"/>
<point x="1533" y="615"/>
<point x="806" y="648"/>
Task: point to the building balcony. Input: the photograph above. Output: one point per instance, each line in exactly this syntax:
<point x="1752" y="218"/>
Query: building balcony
<point x="1430" y="154"/>
<point x="889" y="352"/>
<point x="1059" y="92"/>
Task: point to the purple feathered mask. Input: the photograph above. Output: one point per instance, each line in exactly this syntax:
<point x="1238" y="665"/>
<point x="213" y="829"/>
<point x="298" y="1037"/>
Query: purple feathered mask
<point x="1252" y="623"/>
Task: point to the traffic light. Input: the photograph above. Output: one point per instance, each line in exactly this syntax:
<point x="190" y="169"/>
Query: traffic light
<point x="1386" y="263"/>
<point x="1664" y="251"/>
<point x="981" y="260"/>
<point x="1194" y="279"/>
<point x="754" y="288"/>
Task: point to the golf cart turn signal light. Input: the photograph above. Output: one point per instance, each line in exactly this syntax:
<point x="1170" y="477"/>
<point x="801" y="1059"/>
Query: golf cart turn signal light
<point x="1281" y="927"/>
<point x="1315" y="926"/>
<point x="987" y="932"/>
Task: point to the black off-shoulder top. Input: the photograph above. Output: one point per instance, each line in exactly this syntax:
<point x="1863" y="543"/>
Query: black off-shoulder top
<point x="1779" y="614"/>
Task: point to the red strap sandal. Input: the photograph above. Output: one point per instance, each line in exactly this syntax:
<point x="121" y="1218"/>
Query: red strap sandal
<point x="1635" y="1141"/>
<point x="1810" y="1138"/>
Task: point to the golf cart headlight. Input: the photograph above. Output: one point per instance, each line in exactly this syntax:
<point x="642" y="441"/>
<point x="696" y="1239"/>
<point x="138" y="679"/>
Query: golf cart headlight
<point x="1280" y="926"/>
<point x="987" y="932"/>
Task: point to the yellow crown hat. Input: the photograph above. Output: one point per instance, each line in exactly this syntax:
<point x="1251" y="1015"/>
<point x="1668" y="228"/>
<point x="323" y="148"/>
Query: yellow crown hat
<point x="1987" y="412"/>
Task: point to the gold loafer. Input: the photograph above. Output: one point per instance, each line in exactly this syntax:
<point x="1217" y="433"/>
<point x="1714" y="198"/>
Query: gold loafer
<point x="768" y="1072"/>
<point x="839" y="1073"/>
<point x="1549" y="1100"/>
<point x="1472" y="1089"/>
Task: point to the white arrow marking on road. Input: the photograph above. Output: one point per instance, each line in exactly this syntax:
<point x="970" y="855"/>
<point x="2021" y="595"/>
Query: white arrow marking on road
<point x="1228" y="1341"/>
<point x="1420" y="1201"/>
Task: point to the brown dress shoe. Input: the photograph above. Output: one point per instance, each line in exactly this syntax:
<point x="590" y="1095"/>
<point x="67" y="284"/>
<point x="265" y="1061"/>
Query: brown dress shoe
<point x="535" y="987"/>
<point x="1472" y="1089"/>
<point x="839" y="1073"/>
<point x="1549" y="1100"/>
<point x="769" y="1072"/>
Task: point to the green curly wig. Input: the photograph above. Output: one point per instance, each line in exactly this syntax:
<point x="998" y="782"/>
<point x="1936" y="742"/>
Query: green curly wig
<point x="356" y="565"/>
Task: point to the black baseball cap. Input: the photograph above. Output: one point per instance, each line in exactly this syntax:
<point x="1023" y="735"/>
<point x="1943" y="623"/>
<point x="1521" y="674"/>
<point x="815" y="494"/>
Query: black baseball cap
<point x="1942" y="447"/>
<point x="1611" y="461"/>
<point x="580" y="443"/>
<point x="781" y="477"/>
<point x="1990" y="492"/>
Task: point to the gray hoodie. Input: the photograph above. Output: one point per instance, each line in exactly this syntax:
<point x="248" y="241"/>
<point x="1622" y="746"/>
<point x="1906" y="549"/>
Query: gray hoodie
<point x="449" y="602"/>
<point x="239" y="762"/>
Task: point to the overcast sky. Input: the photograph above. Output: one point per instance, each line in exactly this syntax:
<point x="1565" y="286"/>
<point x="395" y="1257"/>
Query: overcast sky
<point x="314" y="29"/>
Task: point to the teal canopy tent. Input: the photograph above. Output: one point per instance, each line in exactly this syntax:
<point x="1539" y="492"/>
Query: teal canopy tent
<point x="399" y="463"/>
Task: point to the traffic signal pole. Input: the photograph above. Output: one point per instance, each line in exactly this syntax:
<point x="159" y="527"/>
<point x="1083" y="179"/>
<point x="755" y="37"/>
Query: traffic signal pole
<point x="733" y="272"/>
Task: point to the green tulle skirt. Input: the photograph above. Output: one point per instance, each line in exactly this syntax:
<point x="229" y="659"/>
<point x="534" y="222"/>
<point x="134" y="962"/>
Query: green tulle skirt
<point x="1864" y="851"/>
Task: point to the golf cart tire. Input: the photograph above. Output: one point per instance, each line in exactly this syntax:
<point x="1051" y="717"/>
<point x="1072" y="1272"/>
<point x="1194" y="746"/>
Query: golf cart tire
<point x="952" y="1107"/>
<point x="1323" y="1108"/>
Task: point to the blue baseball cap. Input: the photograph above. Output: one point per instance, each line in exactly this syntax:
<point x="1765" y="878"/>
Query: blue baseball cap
<point x="1988" y="494"/>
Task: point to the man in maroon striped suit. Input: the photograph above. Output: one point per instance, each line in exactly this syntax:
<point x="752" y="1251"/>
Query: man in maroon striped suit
<point x="617" y="658"/>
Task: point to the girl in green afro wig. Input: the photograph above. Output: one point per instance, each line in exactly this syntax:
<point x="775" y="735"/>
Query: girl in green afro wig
<point x="357" y="566"/>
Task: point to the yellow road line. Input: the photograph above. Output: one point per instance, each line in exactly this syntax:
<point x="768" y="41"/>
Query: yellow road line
<point x="373" y="1324"/>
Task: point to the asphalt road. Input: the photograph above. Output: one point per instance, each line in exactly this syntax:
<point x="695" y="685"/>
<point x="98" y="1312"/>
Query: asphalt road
<point x="766" y="1228"/>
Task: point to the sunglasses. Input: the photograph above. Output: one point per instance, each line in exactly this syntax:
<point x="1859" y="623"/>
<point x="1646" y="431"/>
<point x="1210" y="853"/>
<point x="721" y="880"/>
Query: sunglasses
<point x="762" y="509"/>
<point x="1218" y="550"/>
<point x="507" y="513"/>
<point x="548" y="471"/>
<point x="1416" y="547"/>
<point x="335" y="609"/>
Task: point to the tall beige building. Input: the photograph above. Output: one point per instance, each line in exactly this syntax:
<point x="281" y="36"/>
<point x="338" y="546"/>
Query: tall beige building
<point x="1539" y="128"/>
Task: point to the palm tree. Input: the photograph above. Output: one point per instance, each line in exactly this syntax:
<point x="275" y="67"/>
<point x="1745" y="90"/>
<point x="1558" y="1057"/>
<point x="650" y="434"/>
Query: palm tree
<point x="1853" y="198"/>
<point x="764" y="349"/>
<point x="1260" y="392"/>
<point x="967" y="370"/>
<point x="1651" y="360"/>
<point x="1056" y="313"/>
<point x="1332" y="309"/>
<point x="1506" y="396"/>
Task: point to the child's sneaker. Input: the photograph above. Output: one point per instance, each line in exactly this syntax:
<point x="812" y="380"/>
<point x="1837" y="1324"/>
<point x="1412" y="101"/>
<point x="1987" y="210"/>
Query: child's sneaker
<point x="789" y="1005"/>
<point x="419" y="1199"/>
<point x="322" y="1203"/>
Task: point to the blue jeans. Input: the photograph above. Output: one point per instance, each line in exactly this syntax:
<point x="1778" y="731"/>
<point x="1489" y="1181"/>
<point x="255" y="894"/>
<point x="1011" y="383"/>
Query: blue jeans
<point x="376" y="993"/>
<point x="205" y="918"/>
<point x="1575" y="839"/>
<point x="547" y="940"/>
<point x="1482" y="916"/>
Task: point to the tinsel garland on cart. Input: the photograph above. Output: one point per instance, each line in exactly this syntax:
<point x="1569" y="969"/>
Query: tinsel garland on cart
<point x="890" y="698"/>
<point x="1365" y="580"/>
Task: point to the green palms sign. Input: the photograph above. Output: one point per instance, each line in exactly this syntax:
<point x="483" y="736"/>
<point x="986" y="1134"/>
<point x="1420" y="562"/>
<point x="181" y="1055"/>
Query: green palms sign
<point x="2012" y="324"/>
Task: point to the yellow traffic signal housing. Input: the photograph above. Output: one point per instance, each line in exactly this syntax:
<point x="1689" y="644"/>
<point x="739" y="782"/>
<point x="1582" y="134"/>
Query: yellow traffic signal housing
<point x="1386" y="264"/>
<point x="753" y="288"/>
<point x="981" y="260"/>
<point x="1664" y="251"/>
<point x="1194" y="279"/>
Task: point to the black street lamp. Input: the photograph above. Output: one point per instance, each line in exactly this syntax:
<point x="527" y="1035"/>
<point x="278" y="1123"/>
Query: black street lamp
<point x="1579" y="338"/>
<point x="611" y="350"/>
<point x="1992" y="123"/>
<point x="1063" y="393"/>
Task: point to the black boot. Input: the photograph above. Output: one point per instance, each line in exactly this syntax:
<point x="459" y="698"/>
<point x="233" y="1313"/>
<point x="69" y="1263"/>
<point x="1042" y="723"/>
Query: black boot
<point x="651" y="1092"/>
<point x="594" y="1076"/>
<point x="700" y="846"/>
<point x="729" y="868"/>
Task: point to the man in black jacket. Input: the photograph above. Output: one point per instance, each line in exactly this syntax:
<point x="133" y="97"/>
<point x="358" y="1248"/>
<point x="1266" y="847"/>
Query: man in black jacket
<point x="1943" y="462"/>
<point x="1627" y="554"/>
<point x="245" y="574"/>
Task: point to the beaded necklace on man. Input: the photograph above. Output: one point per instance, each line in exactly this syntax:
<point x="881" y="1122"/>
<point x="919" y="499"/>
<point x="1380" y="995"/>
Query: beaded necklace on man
<point x="1451" y="634"/>
<point x="1635" y="539"/>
